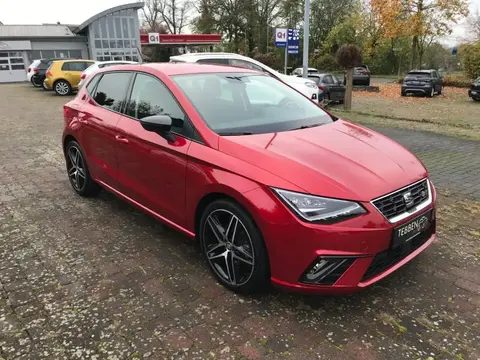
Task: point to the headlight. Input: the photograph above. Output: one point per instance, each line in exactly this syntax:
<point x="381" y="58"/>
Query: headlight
<point x="311" y="84"/>
<point x="319" y="209"/>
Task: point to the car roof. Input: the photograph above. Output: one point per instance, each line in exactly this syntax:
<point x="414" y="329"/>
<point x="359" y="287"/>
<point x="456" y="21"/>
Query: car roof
<point x="421" y="71"/>
<point x="207" y="55"/>
<point x="192" y="68"/>
<point x="75" y="60"/>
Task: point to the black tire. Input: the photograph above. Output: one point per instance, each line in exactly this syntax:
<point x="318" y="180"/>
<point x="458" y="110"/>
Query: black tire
<point x="326" y="97"/>
<point x="62" y="88"/>
<point x="404" y="93"/>
<point x="367" y="83"/>
<point x="256" y="276"/>
<point x="35" y="84"/>
<point x="440" y="92"/>
<point x="87" y="187"/>
<point x="476" y="98"/>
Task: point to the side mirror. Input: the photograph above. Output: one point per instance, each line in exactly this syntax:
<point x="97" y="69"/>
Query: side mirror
<point x="161" y="124"/>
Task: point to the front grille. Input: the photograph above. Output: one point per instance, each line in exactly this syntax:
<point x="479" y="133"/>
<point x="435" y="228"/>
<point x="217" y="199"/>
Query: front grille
<point x="326" y="270"/>
<point x="394" y="204"/>
<point x="386" y="259"/>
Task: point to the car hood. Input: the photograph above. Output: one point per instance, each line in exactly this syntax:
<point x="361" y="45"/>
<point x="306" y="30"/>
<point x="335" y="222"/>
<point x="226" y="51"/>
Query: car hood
<point x="340" y="160"/>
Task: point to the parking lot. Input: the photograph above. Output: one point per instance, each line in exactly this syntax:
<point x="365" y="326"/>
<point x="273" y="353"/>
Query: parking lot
<point x="97" y="279"/>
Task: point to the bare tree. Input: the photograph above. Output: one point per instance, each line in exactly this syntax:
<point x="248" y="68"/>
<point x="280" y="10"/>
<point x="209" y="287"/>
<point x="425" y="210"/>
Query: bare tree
<point x="151" y="15"/>
<point x="175" y="14"/>
<point x="474" y="24"/>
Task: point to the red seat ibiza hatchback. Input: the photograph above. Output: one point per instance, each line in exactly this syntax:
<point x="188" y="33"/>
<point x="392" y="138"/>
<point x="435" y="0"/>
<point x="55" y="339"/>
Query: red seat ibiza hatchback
<point x="275" y="189"/>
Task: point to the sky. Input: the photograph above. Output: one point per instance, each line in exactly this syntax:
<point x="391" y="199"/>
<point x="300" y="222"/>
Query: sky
<point x="76" y="12"/>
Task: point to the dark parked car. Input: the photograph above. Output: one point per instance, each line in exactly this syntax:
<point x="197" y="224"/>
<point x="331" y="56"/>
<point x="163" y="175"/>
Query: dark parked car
<point x="474" y="91"/>
<point x="329" y="87"/>
<point x="41" y="70"/>
<point x="361" y="76"/>
<point x="425" y="82"/>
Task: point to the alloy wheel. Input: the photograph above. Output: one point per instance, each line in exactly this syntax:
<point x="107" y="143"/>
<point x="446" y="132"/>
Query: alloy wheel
<point x="76" y="168"/>
<point x="228" y="247"/>
<point x="433" y="92"/>
<point x="62" y="88"/>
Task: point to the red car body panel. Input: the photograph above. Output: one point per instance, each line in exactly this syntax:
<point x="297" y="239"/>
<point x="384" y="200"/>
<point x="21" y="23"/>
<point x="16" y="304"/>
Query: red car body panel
<point x="169" y="180"/>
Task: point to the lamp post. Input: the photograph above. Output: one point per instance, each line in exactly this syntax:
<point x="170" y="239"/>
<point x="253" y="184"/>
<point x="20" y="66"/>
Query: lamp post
<point x="306" y="35"/>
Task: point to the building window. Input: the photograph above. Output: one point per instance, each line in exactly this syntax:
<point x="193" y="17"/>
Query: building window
<point x="96" y="30"/>
<point x="118" y="27"/>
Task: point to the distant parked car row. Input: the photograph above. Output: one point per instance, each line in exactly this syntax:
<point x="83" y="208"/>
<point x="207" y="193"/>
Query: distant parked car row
<point x="64" y="76"/>
<point x="305" y="86"/>
<point x="361" y="74"/>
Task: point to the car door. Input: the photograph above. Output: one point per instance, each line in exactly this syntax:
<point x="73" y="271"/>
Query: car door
<point x="74" y="72"/>
<point x="152" y="169"/>
<point x="99" y="116"/>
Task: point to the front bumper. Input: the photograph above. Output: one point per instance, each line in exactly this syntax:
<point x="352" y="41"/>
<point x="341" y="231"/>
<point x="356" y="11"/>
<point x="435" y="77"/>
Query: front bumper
<point x="358" y="249"/>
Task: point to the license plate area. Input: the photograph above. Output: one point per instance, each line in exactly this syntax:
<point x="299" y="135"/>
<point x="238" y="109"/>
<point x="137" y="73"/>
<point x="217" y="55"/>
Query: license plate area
<point x="406" y="232"/>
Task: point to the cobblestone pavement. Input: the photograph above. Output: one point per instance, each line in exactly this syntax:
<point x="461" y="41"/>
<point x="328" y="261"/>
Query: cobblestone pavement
<point x="97" y="279"/>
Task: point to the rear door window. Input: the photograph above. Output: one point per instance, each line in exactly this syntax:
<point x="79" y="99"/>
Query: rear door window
<point x="327" y="79"/>
<point x="245" y="64"/>
<point x="112" y="90"/>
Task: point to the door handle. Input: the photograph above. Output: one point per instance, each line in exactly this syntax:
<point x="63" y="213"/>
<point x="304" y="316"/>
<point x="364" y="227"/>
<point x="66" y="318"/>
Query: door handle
<point x="121" y="139"/>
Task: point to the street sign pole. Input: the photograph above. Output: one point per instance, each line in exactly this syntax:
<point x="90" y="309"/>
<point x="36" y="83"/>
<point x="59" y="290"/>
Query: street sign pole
<point x="286" y="60"/>
<point x="306" y="34"/>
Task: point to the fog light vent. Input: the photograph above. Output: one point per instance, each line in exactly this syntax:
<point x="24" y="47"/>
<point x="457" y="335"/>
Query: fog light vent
<point x="326" y="270"/>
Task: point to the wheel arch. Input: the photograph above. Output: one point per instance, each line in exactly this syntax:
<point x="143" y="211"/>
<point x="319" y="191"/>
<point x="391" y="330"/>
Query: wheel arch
<point x="66" y="140"/>
<point x="243" y="204"/>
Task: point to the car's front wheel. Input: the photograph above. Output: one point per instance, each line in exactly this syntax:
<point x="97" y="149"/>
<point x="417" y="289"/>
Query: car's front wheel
<point x="62" y="87"/>
<point x="78" y="172"/>
<point x="234" y="247"/>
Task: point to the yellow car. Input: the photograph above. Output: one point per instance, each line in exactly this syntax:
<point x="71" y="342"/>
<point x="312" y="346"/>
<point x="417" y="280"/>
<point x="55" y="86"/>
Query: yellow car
<point x="63" y="76"/>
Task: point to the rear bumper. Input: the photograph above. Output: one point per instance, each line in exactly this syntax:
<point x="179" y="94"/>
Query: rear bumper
<point x="419" y="89"/>
<point x="474" y="93"/>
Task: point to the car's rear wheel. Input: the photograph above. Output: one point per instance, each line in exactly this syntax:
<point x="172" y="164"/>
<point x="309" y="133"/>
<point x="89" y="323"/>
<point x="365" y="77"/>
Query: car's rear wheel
<point x="34" y="83"/>
<point x="431" y="94"/>
<point x="78" y="172"/>
<point x="234" y="247"/>
<point x="404" y="93"/>
<point x="476" y="98"/>
<point x="62" y="87"/>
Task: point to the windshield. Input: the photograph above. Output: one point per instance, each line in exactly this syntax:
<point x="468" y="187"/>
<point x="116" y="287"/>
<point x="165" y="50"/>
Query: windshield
<point x="245" y="103"/>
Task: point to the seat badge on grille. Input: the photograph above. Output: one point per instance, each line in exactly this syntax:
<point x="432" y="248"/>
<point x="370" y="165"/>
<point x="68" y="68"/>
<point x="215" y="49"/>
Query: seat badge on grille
<point x="408" y="198"/>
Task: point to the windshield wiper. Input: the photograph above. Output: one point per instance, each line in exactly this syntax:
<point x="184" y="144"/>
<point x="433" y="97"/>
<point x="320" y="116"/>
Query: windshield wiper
<point x="232" y="133"/>
<point x="306" y="126"/>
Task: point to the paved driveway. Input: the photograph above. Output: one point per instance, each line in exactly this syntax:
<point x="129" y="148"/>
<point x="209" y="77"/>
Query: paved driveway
<point x="97" y="279"/>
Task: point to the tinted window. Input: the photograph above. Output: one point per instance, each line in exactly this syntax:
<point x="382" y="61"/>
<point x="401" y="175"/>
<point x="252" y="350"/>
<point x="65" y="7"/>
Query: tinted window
<point x="151" y="97"/>
<point x="111" y="90"/>
<point x="327" y="79"/>
<point x="213" y="61"/>
<point x="419" y="74"/>
<point x="245" y="64"/>
<point x="92" y="83"/>
<point x="74" y="66"/>
<point x="239" y="103"/>
<point x="335" y="80"/>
